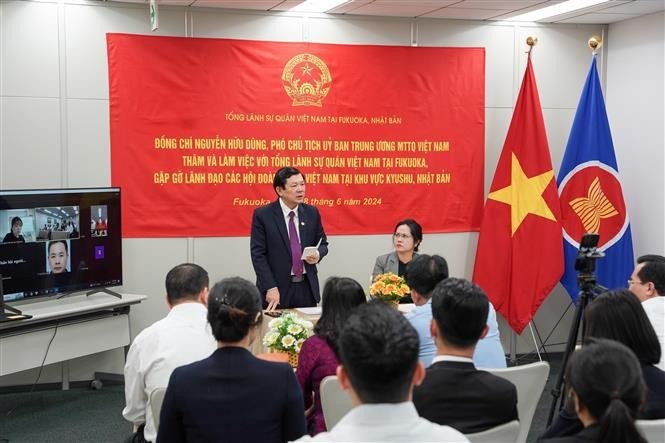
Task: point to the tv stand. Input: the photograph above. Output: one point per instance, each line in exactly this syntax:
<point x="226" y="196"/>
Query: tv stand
<point x="75" y="326"/>
<point x="105" y="291"/>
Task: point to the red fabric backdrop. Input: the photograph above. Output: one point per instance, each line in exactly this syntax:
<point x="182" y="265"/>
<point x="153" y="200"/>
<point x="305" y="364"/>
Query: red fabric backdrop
<point x="199" y="126"/>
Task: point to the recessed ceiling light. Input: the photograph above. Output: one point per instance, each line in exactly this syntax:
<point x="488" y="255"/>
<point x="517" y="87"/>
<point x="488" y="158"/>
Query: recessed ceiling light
<point x="317" y="5"/>
<point x="554" y="10"/>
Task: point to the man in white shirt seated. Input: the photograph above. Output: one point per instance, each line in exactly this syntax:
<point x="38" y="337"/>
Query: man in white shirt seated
<point x="648" y="284"/>
<point x="380" y="367"/>
<point x="423" y="273"/>
<point x="182" y="337"/>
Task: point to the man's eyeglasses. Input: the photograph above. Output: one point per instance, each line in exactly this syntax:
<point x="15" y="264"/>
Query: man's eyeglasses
<point x="402" y="236"/>
<point x="635" y="282"/>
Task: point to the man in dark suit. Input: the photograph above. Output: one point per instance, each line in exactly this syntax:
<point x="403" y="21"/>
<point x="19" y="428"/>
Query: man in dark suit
<point x="280" y="232"/>
<point x="454" y="392"/>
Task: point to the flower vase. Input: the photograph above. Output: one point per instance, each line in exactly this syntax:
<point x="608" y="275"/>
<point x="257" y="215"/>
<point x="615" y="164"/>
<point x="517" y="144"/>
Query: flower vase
<point x="293" y="359"/>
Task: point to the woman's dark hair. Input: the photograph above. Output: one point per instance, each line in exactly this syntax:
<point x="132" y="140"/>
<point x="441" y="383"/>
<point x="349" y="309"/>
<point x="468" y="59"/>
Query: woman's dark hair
<point x="16" y="220"/>
<point x="618" y="315"/>
<point x="607" y="380"/>
<point x="340" y="296"/>
<point x="416" y="231"/>
<point x="233" y="305"/>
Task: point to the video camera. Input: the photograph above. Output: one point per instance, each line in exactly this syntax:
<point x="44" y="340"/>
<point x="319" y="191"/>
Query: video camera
<point x="585" y="262"/>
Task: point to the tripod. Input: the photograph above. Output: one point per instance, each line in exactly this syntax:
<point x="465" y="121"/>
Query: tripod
<point x="588" y="290"/>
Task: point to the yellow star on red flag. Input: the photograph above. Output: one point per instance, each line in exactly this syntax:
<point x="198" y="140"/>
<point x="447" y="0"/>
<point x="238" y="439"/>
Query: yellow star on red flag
<point x="524" y="194"/>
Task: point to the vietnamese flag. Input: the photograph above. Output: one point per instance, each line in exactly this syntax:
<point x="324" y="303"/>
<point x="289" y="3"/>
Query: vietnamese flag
<point x="520" y="255"/>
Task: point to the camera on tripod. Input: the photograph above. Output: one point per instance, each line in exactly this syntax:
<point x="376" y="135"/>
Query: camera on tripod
<point x="585" y="262"/>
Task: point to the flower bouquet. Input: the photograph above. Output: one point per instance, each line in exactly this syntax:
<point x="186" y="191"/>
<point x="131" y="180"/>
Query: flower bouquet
<point x="287" y="334"/>
<point x="389" y="287"/>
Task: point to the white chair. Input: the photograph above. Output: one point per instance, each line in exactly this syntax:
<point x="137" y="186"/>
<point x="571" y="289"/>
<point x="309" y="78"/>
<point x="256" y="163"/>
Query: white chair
<point x="156" y="399"/>
<point x="335" y="402"/>
<point x="529" y="380"/>
<point x="652" y="430"/>
<point x="505" y="433"/>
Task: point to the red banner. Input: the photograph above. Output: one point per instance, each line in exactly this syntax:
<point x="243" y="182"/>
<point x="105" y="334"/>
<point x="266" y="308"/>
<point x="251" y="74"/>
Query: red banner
<point x="199" y="127"/>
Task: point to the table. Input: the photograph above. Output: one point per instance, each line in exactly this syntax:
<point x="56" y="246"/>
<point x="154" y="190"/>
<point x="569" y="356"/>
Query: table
<point x="82" y="325"/>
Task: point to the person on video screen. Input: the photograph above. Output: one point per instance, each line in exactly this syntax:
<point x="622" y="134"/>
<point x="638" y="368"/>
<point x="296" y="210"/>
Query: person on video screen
<point x="14" y="236"/>
<point x="58" y="255"/>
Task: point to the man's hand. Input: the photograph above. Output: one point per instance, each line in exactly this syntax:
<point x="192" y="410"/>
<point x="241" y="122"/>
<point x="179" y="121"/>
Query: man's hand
<point x="312" y="259"/>
<point x="272" y="297"/>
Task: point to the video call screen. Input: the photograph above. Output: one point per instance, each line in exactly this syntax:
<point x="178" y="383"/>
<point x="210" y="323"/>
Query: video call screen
<point x="59" y="240"/>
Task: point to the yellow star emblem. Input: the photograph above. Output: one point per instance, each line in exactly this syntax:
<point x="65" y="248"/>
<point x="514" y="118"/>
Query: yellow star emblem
<point x="524" y="195"/>
<point x="307" y="69"/>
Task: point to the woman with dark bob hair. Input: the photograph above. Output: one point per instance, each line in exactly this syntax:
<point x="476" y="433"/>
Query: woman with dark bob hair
<point x="231" y="395"/>
<point x="407" y="237"/>
<point x="618" y="315"/>
<point x="319" y="355"/>
<point x="607" y="389"/>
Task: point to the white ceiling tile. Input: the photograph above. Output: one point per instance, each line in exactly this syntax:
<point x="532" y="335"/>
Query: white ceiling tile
<point x="598" y="17"/>
<point x="465" y="13"/>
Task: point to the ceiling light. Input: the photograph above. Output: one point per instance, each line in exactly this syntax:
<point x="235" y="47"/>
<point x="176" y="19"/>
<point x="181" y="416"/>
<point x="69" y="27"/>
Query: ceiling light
<point x="555" y="10"/>
<point x="317" y="5"/>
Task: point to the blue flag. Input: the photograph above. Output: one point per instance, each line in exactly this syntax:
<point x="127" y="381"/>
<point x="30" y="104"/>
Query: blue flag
<point x="590" y="193"/>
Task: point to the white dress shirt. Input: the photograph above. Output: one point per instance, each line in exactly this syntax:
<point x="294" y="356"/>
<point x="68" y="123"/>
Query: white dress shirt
<point x="182" y="337"/>
<point x="385" y="422"/>
<point x="655" y="309"/>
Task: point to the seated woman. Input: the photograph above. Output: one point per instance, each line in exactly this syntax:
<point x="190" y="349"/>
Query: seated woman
<point x="231" y="395"/>
<point x="618" y="315"/>
<point x="15" y="236"/>
<point x="607" y="389"/>
<point x="318" y="355"/>
<point x="407" y="237"/>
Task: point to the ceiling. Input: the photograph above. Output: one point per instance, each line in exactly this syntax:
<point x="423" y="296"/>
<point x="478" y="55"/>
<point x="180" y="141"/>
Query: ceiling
<point x="613" y="11"/>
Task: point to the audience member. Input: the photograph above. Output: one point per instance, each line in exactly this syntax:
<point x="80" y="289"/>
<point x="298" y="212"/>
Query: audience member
<point x="233" y="396"/>
<point x="319" y="355"/>
<point x="648" y="284"/>
<point x="379" y="353"/>
<point x="14" y="235"/>
<point x="607" y="389"/>
<point x="182" y="337"/>
<point x="454" y="392"/>
<point x="422" y="275"/>
<point x="617" y="315"/>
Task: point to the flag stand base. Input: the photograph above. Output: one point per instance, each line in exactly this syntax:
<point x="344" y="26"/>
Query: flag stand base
<point x="537" y="347"/>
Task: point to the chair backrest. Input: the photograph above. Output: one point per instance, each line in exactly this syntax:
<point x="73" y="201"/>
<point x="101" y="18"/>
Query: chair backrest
<point x="335" y="402"/>
<point x="156" y="399"/>
<point x="505" y="433"/>
<point x="529" y="380"/>
<point x="652" y="430"/>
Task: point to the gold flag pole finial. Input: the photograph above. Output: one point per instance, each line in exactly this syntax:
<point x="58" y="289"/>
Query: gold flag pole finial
<point x="531" y="41"/>
<point x="595" y="42"/>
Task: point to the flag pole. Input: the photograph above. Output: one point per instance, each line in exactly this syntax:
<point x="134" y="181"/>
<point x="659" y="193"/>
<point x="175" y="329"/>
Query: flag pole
<point x="531" y="41"/>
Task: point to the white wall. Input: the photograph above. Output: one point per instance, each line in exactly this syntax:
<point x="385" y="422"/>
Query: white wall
<point x="54" y="128"/>
<point x="634" y="95"/>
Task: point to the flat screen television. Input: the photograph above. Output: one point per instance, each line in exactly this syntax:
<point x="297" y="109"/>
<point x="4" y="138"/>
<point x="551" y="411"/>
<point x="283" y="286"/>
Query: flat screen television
<point x="58" y="241"/>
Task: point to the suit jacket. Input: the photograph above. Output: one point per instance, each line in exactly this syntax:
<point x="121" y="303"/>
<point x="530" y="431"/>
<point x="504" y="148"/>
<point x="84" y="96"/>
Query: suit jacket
<point x="458" y="395"/>
<point x="232" y="396"/>
<point x="589" y="434"/>
<point x="387" y="263"/>
<point x="271" y="249"/>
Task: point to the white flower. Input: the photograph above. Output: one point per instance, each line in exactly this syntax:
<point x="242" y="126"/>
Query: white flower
<point x="270" y="338"/>
<point x="288" y="341"/>
<point x="294" y="329"/>
<point x="275" y="323"/>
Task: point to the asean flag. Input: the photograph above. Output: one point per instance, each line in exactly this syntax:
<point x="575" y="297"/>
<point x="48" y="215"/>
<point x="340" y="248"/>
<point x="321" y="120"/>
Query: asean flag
<point x="520" y="257"/>
<point x="590" y="193"/>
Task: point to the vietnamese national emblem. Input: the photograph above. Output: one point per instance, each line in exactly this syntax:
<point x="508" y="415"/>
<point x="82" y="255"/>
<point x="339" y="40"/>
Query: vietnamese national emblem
<point x="306" y="80"/>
